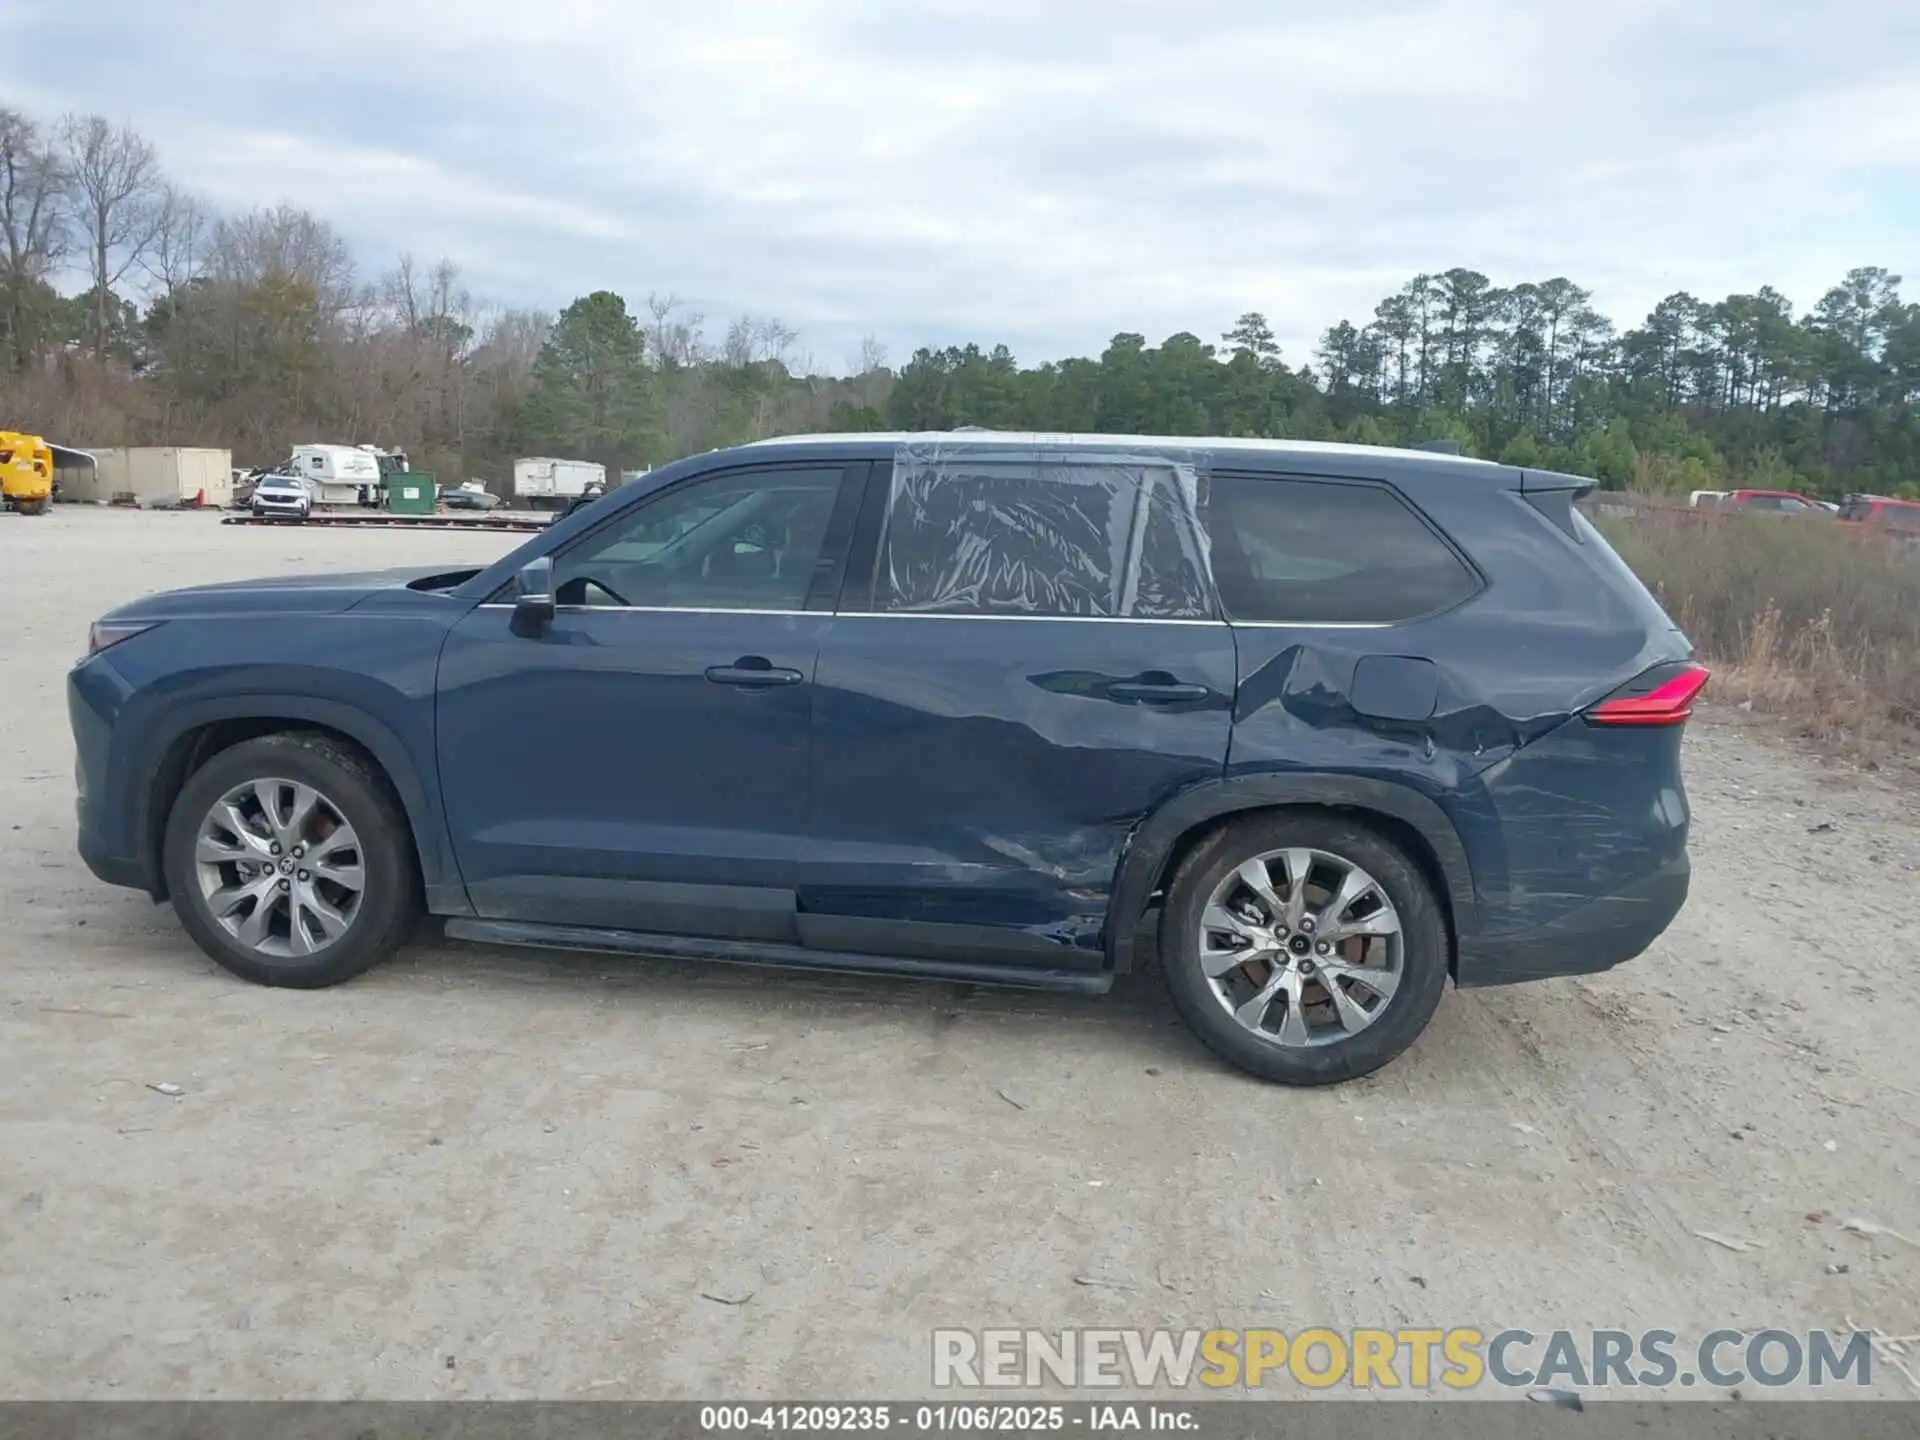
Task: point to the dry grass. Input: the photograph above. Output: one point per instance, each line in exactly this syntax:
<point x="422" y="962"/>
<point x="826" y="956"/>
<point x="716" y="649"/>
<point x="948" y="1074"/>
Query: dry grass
<point x="1811" y="620"/>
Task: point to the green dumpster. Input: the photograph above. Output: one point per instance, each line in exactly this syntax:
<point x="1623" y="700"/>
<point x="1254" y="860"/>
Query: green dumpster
<point x="410" y="492"/>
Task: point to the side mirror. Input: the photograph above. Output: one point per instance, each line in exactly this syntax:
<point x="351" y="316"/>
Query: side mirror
<point x="533" y="597"/>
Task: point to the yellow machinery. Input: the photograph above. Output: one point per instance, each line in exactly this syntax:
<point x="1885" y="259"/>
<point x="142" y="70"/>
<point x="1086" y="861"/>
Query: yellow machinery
<point x="26" y="472"/>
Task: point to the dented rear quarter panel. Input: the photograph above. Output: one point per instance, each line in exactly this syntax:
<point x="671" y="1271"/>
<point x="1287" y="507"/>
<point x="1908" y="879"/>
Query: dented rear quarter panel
<point x="1552" y="812"/>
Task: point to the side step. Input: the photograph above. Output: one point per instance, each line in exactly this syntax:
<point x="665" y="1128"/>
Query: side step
<point x="785" y="957"/>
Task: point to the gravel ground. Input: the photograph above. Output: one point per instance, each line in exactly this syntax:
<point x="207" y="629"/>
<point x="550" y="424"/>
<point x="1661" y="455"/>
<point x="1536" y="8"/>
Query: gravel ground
<point x="478" y="1173"/>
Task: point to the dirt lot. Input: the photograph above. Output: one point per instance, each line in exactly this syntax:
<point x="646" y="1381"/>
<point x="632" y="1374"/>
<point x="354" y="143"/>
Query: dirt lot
<point x="479" y="1173"/>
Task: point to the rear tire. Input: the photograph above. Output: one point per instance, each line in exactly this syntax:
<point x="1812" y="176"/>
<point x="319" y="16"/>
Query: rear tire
<point x="33" y="507"/>
<point x="1390" y="967"/>
<point x="224" y="872"/>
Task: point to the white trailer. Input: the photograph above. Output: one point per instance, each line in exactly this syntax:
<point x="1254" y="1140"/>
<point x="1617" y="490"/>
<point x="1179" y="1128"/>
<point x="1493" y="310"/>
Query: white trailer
<point x="339" y="474"/>
<point x="154" y="475"/>
<point x="543" y="482"/>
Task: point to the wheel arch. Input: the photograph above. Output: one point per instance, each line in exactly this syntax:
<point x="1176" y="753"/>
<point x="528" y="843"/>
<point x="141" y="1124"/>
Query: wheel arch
<point x="1181" y="822"/>
<point x="196" y="733"/>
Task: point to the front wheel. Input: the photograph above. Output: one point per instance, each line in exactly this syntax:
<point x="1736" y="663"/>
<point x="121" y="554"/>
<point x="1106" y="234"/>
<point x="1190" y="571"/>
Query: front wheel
<point x="37" y="506"/>
<point x="290" y="862"/>
<point x="1303" y="948"/>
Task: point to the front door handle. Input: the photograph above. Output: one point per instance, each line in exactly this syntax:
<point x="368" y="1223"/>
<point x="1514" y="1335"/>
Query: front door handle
<point x="1152" y="693"/>
<point x="753" y="672"/>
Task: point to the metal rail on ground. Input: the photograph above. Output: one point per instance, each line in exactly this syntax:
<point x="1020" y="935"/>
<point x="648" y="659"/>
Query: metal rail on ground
<point x="375" y="519"/>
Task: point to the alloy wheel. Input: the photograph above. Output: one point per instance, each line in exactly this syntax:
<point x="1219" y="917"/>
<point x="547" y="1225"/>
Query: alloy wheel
<point x="279" y="867"/>
<point x="1301" y="947"/>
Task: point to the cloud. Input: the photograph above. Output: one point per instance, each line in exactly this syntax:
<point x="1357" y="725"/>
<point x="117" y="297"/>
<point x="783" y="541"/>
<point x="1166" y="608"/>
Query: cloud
<point x="1043" y="175"/>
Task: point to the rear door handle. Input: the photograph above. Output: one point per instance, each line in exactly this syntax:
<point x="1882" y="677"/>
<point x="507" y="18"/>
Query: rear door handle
<point x="1156" y="694"/>
<point x="753" y="672"/>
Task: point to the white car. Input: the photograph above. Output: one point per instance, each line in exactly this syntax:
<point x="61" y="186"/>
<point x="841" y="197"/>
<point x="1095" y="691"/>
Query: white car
<point x="282" y="497"/>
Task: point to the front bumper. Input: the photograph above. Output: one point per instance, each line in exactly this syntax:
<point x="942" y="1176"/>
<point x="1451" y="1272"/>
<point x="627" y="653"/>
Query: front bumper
<point x="114" y="869"/>
<point x="1597" y="936"/>
<point x="108" y="821"/>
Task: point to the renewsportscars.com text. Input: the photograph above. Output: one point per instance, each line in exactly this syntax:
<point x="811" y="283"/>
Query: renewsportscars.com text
<point x="1458" y="1358"/>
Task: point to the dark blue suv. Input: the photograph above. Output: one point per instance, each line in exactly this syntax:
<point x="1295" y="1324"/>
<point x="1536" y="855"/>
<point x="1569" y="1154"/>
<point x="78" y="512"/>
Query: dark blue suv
<point x="965" y="706"/>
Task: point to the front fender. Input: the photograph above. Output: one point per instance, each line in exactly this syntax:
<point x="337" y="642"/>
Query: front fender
<point x="1154" y="841"/>
<point x="165" y="749"/>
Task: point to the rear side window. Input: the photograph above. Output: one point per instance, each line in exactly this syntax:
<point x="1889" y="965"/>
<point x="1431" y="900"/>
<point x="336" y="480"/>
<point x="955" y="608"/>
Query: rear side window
<point x="1315" y="553"/>
<point x="989" y="536"/>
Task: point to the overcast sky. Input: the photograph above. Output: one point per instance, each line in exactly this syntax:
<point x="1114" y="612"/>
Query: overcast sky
<point x="1043" y="172"/>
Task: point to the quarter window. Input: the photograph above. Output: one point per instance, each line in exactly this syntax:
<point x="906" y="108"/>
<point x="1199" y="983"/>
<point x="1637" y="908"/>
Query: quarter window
<point x="1311" y="552"/>
<point x="747" y="540"/>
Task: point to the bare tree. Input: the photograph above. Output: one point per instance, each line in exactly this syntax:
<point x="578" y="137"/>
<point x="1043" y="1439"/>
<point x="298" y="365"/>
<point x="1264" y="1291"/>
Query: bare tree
<point x="426" y="337"/>
<point x="672" y="336"/>
<point x="872" y="355"/>
<point x="416" y="299"/>
<point x="118" y="200"/>
<point x="182" y="241"/>
<point x="434" y="306"/>
<point x="756" y="340"/>
<point x="285" y="243"/>
<point x="33" y="225"/>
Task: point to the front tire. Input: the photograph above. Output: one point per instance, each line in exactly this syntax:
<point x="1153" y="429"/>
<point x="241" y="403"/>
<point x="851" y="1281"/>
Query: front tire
<point x="291" y="863"/>
<point x="1303" y="947"/>
<point x="33" y="507"/>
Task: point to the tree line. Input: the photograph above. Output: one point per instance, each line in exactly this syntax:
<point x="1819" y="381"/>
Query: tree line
<point x="1701" y="395"/>
<point x="257" y="331"/>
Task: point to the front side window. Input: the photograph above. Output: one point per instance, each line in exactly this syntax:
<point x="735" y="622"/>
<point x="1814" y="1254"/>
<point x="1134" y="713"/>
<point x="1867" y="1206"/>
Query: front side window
<point x="989" y="536"/>
<point x="746" y="540"/>
<point x="1314" y="553"/>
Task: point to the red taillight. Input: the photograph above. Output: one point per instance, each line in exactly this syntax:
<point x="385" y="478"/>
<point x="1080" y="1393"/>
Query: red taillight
<point x="1668" y="703"/>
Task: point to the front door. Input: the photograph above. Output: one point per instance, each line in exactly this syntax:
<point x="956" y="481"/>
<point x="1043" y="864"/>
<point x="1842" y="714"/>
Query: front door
<point x="642" y="762"/>
<point x="1034" y="662"/>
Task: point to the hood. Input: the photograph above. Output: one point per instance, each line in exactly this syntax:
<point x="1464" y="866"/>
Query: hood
<point x="285" y="594"/>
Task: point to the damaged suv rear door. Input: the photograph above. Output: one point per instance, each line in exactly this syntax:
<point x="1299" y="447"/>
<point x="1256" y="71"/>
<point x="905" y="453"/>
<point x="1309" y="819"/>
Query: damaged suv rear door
<point x="1028" y="657"/>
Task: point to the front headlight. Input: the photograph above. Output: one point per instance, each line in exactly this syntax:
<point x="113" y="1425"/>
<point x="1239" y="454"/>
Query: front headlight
<point x="104" y="634"/>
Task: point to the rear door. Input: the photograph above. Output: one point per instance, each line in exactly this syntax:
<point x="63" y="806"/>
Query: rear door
<point x="642" y="763"/>
<point x="1027" y="659"/>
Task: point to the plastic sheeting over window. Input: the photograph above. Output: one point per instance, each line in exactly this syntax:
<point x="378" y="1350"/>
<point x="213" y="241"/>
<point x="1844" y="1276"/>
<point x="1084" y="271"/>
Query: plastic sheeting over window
<point x="976" y="530"/>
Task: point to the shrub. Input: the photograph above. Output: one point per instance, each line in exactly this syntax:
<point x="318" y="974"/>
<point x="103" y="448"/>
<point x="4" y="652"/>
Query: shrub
<point x="1819" y="620"/>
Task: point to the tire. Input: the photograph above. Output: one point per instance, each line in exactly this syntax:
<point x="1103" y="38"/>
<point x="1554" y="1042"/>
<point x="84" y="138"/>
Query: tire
<point x="376" y="848"/>
<point x="39" y="506"/>
<point x="1409" y="965"/>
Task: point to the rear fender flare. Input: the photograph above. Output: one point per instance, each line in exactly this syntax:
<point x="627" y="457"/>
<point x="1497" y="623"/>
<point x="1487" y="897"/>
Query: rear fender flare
<point x="1144" y="862"/>
<point x="439" y="872"/>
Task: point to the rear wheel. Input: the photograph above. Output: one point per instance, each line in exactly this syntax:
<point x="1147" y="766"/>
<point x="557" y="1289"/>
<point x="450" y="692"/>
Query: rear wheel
<point x="33" y="507"/>
<point x="290" y="862"/>
<point x="1304" y="948"/>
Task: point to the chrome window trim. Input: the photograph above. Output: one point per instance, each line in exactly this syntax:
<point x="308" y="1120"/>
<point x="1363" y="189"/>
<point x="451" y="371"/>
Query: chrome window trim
<point x="1070" y="619"/>
<point x="1321" y="624"/>
<point x="655" y="610"/>
<point x="938" y="615"/>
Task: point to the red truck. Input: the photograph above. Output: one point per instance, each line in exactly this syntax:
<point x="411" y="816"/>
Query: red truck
<point x="1882" y="510"/>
